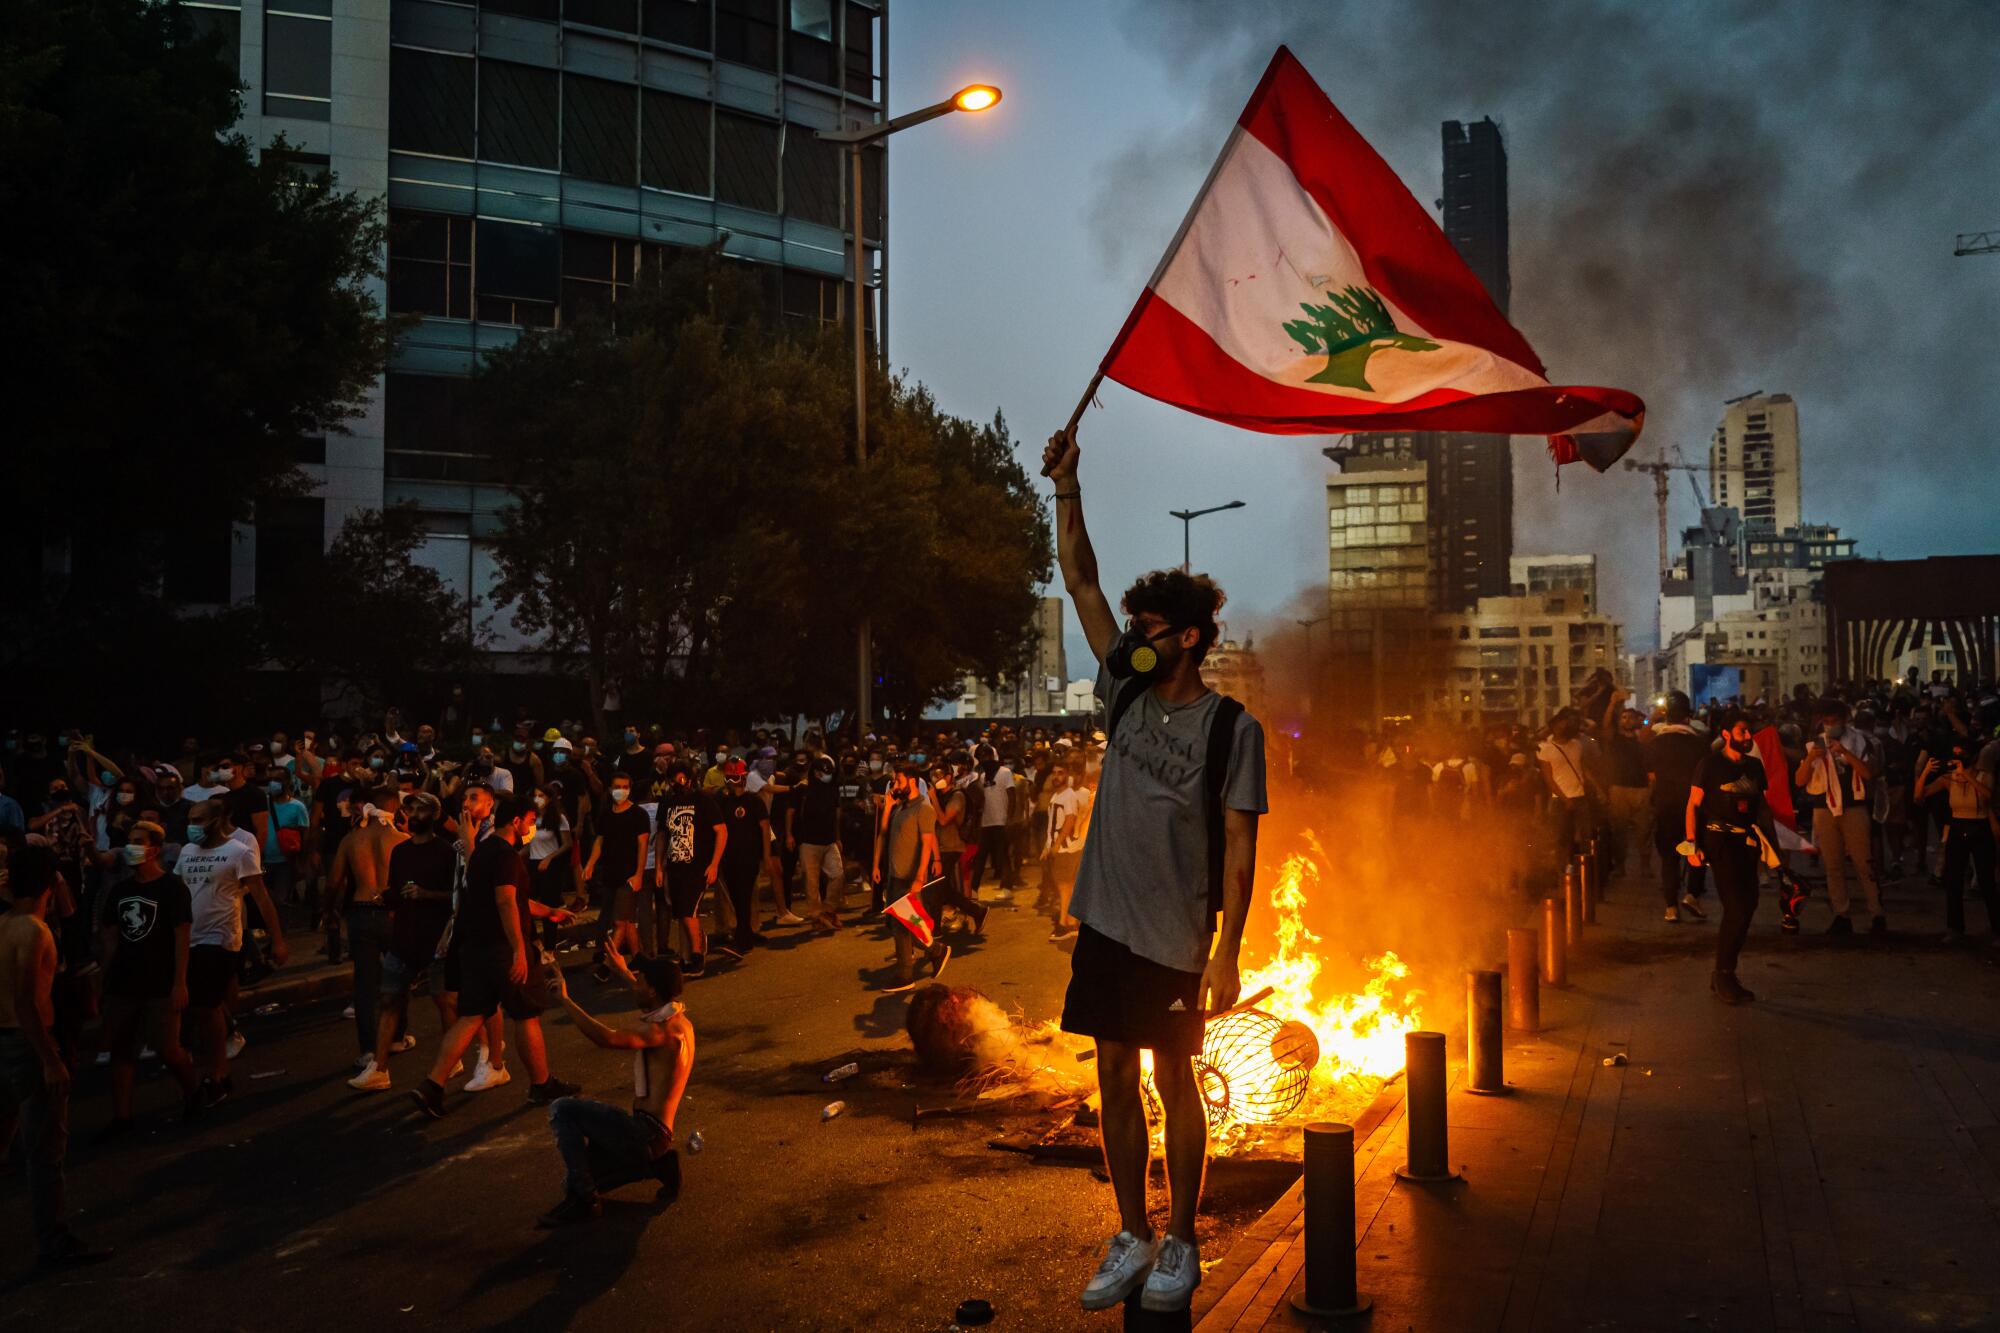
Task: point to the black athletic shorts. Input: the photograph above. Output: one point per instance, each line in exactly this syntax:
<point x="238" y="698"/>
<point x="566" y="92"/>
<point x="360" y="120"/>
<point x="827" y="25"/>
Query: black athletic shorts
<point x="684" y="886"/>
<point x="211" y="969"/>
<point x="483" y="985"/>
<point x="1116" y="995"/>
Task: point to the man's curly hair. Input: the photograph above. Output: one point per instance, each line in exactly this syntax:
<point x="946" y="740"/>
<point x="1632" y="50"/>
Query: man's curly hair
<point x="1183" y="600"/>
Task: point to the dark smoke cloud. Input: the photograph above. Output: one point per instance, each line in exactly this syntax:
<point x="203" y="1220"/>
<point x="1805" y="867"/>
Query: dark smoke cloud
<point x="1707" y="199"/>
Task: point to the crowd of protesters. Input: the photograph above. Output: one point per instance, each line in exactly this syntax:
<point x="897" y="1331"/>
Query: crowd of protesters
<point x="165" y="879"/>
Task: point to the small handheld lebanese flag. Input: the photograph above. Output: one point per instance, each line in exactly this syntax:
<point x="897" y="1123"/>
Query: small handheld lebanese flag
<point x="1778" y="793"/>
<point x="910" y="911"/>
<point x="1308" y="293"/>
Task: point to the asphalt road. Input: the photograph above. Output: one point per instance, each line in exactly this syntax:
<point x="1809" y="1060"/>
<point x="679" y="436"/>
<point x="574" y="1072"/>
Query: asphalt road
<point x="307" y="1204"/>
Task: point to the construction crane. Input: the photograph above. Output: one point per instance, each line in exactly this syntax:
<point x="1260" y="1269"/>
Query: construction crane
<point x="1977" y="243"/>
<point x="1659" y="470"/>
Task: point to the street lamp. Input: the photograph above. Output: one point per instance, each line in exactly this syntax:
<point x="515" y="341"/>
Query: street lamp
<point x="972" y="97"/>
<point x="1187" y="518"/>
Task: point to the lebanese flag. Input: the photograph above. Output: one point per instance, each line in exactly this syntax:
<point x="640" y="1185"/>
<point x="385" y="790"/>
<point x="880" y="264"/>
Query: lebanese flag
<point x="910" y="912"/>
<point x="1778" y="793"/>
<point x="1308" y="293"/>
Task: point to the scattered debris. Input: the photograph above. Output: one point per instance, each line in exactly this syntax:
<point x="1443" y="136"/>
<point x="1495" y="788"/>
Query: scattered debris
<point x="266" y="1010"/>
<point x="848" y="1070"/>
<point x="267" y="1073"/>
<point x="832" y="1109"/>
<point x="694" y="1143"/>
<point x="1613" y="1061"/>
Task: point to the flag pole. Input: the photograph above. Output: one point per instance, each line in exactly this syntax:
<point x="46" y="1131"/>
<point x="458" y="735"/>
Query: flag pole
<point x="1088" y="394"/>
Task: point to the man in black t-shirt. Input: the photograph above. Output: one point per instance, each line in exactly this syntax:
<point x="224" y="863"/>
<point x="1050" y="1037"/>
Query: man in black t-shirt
<point x="812" y="831"/>
<point x="1724" y="810"/>
<point x="617" y="857"/>
<point x="1672" y="751"/>
<point x="491" y="930"/>
<point x="145" y="928"/>
<point x="689" y="856"/>
<point x="746" y="851"/>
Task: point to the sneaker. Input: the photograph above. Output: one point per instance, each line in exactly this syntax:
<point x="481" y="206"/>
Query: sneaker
<point x="790" y="919"/>
<point x="111" y="1133"/>
<point x="1840" y="926"/>
<point x="103" y="1058"/>
<point x="541" y="1094"/>
<point x="348" y="1012"/>
<point x="1126" y="1261"/>
<point x="1879" y="926"/>
<point x="693" y="968"/>
<point x="429" y="1098"/>
<point x="214" y="1094"/>
<point x="1176" y="1273"/>
<point x="457" y="1068"/>
<point x="234" y="1047"/>
<point x="487" y="1076"/>
<point x="363" y="1060"/>
<point x="70" y="1252"/>
<point x="406" y="1042"/>
<point x="1692" y="908"/>
<point x="372" y="1079"/>
<point x="1674" y="915"/>
<point x="1789" y="923"/>
<point x="978" y="923"/>
<point x="573" y="1208"/>
<point x="943" y="958"/>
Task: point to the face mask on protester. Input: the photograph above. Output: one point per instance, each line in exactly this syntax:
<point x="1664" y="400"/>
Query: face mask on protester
<point x="224" y="774"/>
<point x="631" y="736"/>
<point x="541" y="802"/>
<point x="134" y="853"/>
<point x="875" y="765"/>
<point x="197" y="834"/>
<point x="375" y="761"/>
<point x="478" y="739"/>
<point x="621" y="793"/>
<point x="561" y="756"/>
<point x="125" y="797"/>
<point x="274" y="787"/>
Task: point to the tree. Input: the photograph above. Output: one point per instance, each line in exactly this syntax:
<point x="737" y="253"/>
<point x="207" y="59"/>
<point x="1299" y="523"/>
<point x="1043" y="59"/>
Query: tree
<point x="184" y="311"/>
<point x="368" y="616"/>
<point x="691" y="526"/>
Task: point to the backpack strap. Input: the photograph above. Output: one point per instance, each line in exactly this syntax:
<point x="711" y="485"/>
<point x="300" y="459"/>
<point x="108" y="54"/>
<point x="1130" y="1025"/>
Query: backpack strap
<point x="1123" y="693"/>
<point x="1221" y="741"/>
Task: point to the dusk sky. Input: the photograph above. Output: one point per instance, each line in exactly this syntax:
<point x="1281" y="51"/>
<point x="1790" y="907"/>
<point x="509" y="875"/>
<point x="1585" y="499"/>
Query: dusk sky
<point x="1707" y="200"/>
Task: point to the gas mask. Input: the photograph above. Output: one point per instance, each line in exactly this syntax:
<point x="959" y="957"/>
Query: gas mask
<point x="1133" y="656"/>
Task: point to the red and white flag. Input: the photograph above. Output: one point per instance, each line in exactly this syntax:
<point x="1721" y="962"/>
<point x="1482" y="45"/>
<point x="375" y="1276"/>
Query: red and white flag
<point x="1308" y="293"/>
<point x="1778" y="793"/>
<point x="914" y="916"/>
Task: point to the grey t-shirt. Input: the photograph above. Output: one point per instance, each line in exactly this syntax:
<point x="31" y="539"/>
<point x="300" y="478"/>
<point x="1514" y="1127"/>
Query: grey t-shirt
<point x="1143" y="879"/>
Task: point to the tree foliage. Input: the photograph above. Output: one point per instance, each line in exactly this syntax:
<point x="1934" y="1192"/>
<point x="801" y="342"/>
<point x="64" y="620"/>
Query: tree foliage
<point x="691" y="526"/>
<point x="183" y="311"/>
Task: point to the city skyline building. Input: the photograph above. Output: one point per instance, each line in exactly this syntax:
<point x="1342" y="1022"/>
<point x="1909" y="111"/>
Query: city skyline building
<point x="1753" y="462"/>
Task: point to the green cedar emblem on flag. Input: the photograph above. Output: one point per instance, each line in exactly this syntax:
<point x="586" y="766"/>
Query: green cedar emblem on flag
<point x="1349" y="330"/>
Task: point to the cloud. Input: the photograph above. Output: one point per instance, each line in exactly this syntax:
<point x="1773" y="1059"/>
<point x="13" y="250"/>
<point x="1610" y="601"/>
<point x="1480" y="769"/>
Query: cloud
<point x="1705" y="200"/>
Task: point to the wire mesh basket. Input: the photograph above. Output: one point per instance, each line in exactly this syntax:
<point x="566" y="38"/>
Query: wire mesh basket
<point x="1253" y="1069"/>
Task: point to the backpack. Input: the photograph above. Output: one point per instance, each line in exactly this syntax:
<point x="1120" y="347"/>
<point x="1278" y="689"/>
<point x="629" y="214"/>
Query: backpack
<point x="1215" y="772"/>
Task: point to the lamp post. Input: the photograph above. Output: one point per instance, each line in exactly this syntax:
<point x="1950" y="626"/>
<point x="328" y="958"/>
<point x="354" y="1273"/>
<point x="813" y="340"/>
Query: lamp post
<point x="1187" y="518"/>
<point x="973" y="97"/>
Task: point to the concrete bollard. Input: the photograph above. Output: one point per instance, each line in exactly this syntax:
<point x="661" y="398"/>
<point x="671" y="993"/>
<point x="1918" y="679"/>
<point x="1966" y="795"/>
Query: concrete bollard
<point x="1329" y="1290"/>
<point x="1484" y="1050"/>
<point x="1555" y="954"/>
<point x="1572" y="905"/>
<point x="1423" y="1104"/>
<point x="1587" y="878"/>
<point x="1524" y="992"/>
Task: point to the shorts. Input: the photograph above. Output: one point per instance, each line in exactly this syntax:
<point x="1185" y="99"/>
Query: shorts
<point x="211" y="975"/>
<point x="1116" y="995"/>
<point x="684" y="889"/>
<point x="132" y="1019"/>
<point x="399" y="978"/>
<point x="484" y="985"/>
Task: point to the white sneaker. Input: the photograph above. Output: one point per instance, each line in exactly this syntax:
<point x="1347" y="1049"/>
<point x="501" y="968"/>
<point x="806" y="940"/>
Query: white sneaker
<point x="234" y="1047"/>
<point x="406" y="1042"/>
<point x="1176" y="1273"/>
<point x="1126" y="1261"/>
<point x="791" y="919"/>
<point x="348" y="1012"/>
<point x="363" y="1060"/>
<point x="103" y="1058"/>
<point x="370" y="1079"/>
<point x="486" y="1076"/>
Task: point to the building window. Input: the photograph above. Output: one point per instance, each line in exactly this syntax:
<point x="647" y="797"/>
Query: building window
<point x="809" y="49"/>
<point x="598" y="272"/>
<point x="600" y="130"/>
<point x="859" y="43"/>
<point x="746" y="162"/>
<point x="518" y="273"/>
<point x="199" y="568"/>
<point x="618" y="15"/>
<point x="673" y="143"/>
<point x="517" y="114"/>
<point x="682" y="22"/>
<point x="430" y="264"/>
<point x="430" y="102"/>
<point x="298" y="60"/>
<point x="812" y="177"/>
<point x="221" y="22"/>
<point x="527" y="9"/>
<point x="811" y="299"/>
<point x="746" y="31"/>
<point x="425" y="413"/>
<point x="303" y="171"/>
<point x="291" y="540"/>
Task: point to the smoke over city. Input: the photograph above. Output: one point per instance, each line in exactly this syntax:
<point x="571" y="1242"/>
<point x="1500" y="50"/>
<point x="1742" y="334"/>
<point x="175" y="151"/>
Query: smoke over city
<point x="1705" y="201"/>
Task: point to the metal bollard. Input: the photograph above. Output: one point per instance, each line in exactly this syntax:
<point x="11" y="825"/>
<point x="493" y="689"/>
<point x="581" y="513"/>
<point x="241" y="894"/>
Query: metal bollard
<point x="1483" y="1049"/>
<point x="1572" y="906"/>
<point x="1423" y="1104"/>
<point x="1329" y="1290"/>
<point x="1587" y="879"/>
<point x="1555" y="954"/>
<point x="1524" y="992"/>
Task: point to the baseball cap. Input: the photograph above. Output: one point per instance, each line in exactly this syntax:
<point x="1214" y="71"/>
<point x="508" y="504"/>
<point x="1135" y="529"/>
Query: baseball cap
<point x="665" y="748"/>
<point x="735" y="768"/>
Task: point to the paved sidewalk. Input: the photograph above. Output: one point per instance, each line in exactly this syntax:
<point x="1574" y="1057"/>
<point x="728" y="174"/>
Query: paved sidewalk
<point x="1826" y="1158"/>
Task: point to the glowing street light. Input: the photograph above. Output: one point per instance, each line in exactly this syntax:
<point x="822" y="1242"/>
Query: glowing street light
<point x="976" y="97"/>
